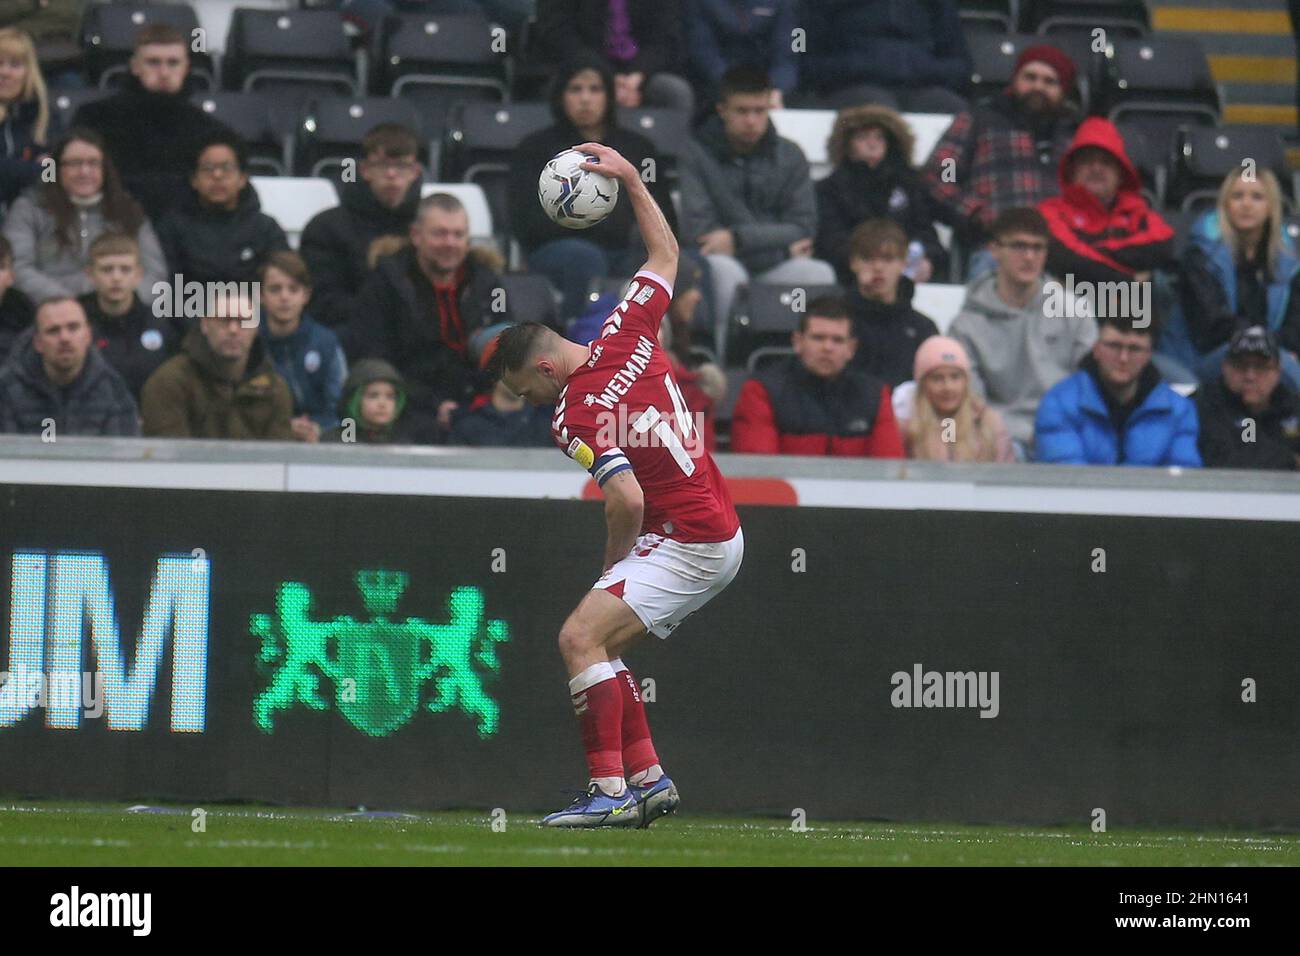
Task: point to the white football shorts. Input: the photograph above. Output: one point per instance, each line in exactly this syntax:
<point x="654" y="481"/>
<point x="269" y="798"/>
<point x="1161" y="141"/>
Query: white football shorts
<point x="665" y="581"/>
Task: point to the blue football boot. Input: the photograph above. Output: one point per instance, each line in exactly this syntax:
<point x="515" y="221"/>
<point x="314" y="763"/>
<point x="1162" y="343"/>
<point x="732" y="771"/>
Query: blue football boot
<point x="658" y="799"/>
<point x="595" y="808"/>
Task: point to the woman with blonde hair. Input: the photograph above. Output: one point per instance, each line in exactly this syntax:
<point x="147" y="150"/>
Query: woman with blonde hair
<point x="1240" y="270"/>
<point x="940" y="418"/>
<point x="24" y="114"/>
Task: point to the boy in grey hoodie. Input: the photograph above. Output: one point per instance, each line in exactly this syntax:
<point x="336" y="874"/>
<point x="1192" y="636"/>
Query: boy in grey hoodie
<point x="1022" y="337"/>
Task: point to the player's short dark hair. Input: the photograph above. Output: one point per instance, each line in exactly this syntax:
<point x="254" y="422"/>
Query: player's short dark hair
<point x="1025" y="220"/>
<point x="515" y="346"/>
<point x="826" y="307"/>
<point x="390" y="141"/>
<point x="743" y="81"/>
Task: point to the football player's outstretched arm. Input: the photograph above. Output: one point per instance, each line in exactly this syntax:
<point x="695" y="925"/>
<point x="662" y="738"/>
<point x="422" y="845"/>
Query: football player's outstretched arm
<point x="660" y="243"/>
<point x="624" y="509"/>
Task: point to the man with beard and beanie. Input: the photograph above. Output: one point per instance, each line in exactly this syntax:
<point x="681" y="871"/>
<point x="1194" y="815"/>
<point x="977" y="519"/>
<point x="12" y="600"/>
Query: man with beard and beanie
<point x="1249" y="417"/>
<point x="336" y="242"/>
<point x="1006" y="151"/>
<point x="871" y="150"/>
<point x="372" y="409"/>
<point x="151" y="128"/>
<point x="1103" y="230"/>
<point x="888" y="330"/>
<point x="222" y="384"/>
<point x="419" y="307"/>
<point x="582" y="103"/>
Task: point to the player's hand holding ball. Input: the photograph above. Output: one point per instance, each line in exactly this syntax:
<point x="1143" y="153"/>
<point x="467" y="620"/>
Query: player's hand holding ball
<point x="579" y="187"/>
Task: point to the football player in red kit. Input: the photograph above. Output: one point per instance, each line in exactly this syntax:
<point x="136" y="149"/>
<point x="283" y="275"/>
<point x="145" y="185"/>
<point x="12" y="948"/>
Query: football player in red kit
<point x="673" y="540"/>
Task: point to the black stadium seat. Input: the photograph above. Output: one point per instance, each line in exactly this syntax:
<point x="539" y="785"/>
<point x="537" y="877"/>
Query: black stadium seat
<point x="265" y="123"/>
<point x="439" y="61"/>
<point x="668" y="129"/>
<point x="1119" y="18"/>
<point x="531" y="298"/>
<point x="987" y="16"/>
<point x="301" y="52"/>
<point x="480" y="143"/>
<point x="1150" y="157"/>
<point x="1203" y="156"/>
<point x="333" y="127"/>
<point x="766" y="314"/>
<point x="108" y="32"/>
<point x="65" y="103"/>
<point x="1163" y="81"/>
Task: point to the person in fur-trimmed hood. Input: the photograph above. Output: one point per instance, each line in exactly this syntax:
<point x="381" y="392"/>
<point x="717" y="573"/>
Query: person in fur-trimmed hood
<point x="871" y="150"/>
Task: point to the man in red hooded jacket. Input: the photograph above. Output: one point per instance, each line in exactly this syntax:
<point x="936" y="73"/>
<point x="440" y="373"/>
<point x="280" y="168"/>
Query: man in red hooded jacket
<point x="1103" y="230"/>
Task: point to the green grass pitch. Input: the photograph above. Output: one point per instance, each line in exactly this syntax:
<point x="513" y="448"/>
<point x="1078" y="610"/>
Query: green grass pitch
<point x="68" y="834"/>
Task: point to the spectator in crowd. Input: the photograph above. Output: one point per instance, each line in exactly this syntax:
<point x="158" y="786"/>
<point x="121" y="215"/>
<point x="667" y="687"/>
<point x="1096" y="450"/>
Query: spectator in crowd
<point x="638" y="41"/>
<point x="1239" y="269"/>
<point x="908" y="56"/>
<point x="152" y="129"/>
<point x="52" y="225"/>
<point x="55" y="383"/>
<point x="815" y="402"/>
<point x="55" y="28"/>
<point x="1115" y="410"/>
<point x="747" y="195"/>
<point x="372" y="411"/>
<point x="126" y="332"/>
<point x="940" y="418"/>
<point x="1102" y="228"/>
<point x="499" y="417"/>
<point x="582" y="102"/>
<point x="336" y="242"/>
<point x="16" y="309"/>
<point x="419" y="307"/>
<point x="24" y="114"/>
<point x="222" y="384"/>
<point x="887" y="328"/>
<point x="1249" y="417"/>
<point x="218" y="233"/>
<point x="871" y="149"/>
<point x="726" y="33"/>
<point x="306" y="354"/>
<point x="1018" y="347"/>
<point x="1004" y="152"/>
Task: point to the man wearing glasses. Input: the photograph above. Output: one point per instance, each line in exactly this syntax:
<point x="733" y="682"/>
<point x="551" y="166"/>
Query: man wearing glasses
<point x="151" y="128"/>
<point x="1018" y="347"/>
<point x="1115" y="410"/>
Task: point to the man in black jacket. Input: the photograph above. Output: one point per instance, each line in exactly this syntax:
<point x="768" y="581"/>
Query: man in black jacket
<point x="420" y="306"/>
<point x="888" y="329"/>
<point x="336" y="243"/>
<point x="151" y="128"/>
<point x="1249" y="418"/>
<point x="55" y="383"/>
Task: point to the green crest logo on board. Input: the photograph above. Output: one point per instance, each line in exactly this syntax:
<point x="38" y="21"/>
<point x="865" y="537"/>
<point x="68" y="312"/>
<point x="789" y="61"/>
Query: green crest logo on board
<point x="381" y="667"/>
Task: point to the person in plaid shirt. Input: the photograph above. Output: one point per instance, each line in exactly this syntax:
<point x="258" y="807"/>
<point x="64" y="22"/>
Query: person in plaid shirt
<point x="1004" y="153"/>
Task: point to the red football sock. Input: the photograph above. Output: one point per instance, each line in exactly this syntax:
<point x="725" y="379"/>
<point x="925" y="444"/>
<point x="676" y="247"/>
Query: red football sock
<point x="638" y="750"/>
<point x="598" y="702"/>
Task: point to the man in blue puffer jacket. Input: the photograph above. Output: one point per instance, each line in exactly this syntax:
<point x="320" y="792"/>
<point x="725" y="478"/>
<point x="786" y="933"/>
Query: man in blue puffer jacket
<point x="1115" y="410"/>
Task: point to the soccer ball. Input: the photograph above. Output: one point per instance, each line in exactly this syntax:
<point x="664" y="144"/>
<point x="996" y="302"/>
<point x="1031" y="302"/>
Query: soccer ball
<point x="573" y="196"/>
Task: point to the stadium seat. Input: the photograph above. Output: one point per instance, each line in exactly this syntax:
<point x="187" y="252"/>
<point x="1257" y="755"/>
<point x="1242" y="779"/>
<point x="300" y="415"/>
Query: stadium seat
<point x="108" y="32"/>
<point x="292" y="201"/>
<point x="479" y="145"/>
<point x="1150" y="157"/>
<point x="65" y="103"/>
<point x="940" y="302"/>
<point x="476" y="206"/>
<point x="987" y="16"/>
<point x="993" y="61"/>
<point x="440" y="61"/>
<point x="765" y="314"/>
<point x="332" y="128"/>
<point x="1163" y="81"/>
<point x="262" y="121"/>
<point x="531" y="298"/>
<point x="302" y="52"/>
<point x="768" y="355"/>
<point x="1203" y="156"/>
<point x="669" y="130"/>
<point x="1081" y="17"/>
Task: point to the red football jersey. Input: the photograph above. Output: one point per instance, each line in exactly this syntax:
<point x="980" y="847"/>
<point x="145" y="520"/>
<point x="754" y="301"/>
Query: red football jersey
<point x="622" y="409"/>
